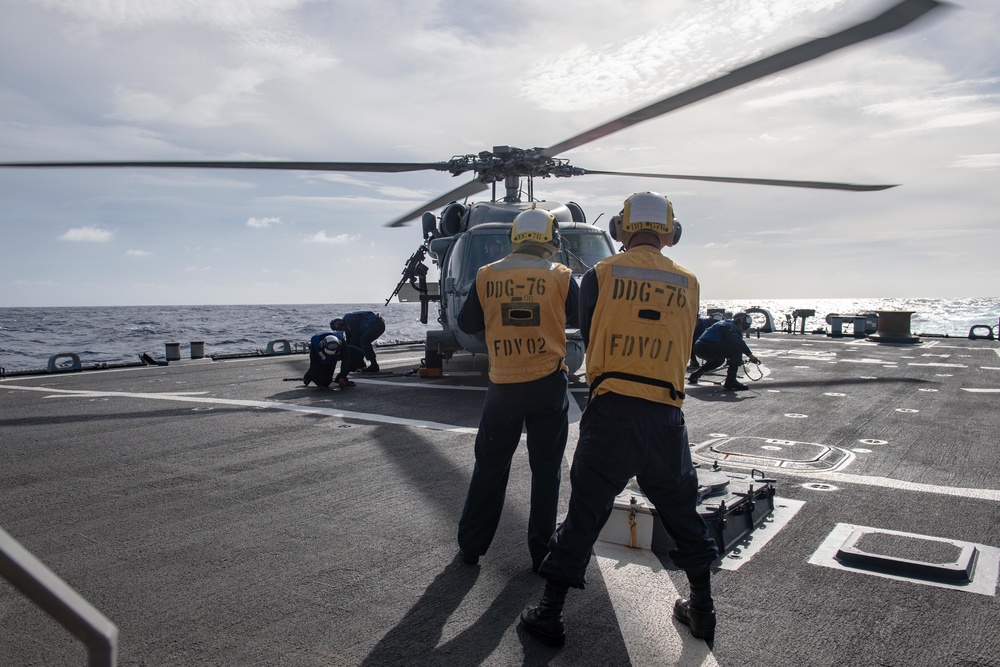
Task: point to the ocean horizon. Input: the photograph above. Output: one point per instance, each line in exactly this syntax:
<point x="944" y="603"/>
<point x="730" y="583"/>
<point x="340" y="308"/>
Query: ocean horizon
<point x="29" y="336"/>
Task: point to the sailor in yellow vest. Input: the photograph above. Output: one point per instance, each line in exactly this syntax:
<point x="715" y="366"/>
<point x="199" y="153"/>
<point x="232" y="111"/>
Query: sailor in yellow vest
<point x="523" y="301"/>
<point x="637" y="316"/>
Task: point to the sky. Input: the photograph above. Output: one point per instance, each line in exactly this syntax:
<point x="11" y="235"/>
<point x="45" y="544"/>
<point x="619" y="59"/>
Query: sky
<point x="423" y="81"/>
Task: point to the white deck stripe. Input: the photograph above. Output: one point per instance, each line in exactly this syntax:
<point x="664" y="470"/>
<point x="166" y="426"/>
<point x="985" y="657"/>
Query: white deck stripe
<point x="889" y="483"/>
<point x="939" y="364"/>
<point x="642" y="595"/>
<point x="426" y="384"/>
<point x="270" y="405"/>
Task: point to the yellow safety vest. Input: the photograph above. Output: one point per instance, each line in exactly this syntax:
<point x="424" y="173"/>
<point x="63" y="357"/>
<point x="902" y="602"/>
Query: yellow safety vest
<point x="643" y="322"/>
<point x="524" y="306"/>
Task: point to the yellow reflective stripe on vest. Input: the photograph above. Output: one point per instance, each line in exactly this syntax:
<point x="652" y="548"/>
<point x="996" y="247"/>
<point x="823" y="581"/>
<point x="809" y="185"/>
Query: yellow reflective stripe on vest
<point x="524" y="306"/>
<point x="649" y="275"/>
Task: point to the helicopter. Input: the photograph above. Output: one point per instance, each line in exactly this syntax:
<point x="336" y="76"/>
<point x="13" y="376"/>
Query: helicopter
<point x="458" y="238"/>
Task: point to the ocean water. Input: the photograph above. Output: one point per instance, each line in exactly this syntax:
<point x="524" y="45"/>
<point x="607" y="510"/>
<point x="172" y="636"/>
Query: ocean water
<point x="119" y="334"/>
<point x="114" y="335"/>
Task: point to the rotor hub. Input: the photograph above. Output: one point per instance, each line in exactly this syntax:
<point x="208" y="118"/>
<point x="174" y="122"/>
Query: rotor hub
<point x="504" y="162"/>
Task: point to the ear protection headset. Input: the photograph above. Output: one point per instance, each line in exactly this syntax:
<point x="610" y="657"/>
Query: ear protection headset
<point x="742" y="320"/>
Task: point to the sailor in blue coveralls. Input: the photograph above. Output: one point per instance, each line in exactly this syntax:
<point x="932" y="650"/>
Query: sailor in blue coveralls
<point x="362" y="327"/>
<point x="637" y="317"/>
<point x="325" y="350"/>
<point x="523" y="302"/>
<point x="723" y="343"/>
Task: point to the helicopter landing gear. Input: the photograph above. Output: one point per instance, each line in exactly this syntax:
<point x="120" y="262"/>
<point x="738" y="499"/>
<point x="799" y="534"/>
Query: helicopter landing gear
<point x="431" y="365"/>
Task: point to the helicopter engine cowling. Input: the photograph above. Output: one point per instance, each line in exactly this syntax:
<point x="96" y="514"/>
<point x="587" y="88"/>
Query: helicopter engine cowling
<point x="429" y="223"/>
<point x="576" y="211"/>
<point x="453" y="219"/>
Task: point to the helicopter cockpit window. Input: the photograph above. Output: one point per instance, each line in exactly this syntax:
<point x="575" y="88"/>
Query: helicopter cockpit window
<point x="582" y="249"/>
<point x="473" y="251"/>
<point x="486" y="250"/>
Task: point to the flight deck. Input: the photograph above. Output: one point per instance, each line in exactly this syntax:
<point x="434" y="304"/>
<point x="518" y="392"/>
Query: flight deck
<point x="218" y="512"/>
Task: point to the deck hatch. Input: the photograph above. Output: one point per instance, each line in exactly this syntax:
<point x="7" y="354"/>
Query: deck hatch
<point x="773" y="453"/>
<point x="909" y="557"/>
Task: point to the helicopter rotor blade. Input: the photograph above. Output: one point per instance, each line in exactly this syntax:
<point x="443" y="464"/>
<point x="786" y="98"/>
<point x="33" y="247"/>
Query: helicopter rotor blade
<point x="819" y="185"/>
<point x="896" y="17"/>
<point x="376" y="167"/>
<point x="461" y="192"/>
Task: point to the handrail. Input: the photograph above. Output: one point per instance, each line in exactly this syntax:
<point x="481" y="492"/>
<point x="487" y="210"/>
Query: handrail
<point x="54" y="596"/>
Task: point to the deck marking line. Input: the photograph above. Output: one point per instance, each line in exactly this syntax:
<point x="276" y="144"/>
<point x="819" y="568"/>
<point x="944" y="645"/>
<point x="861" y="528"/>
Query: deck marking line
<point x="980" y="391"/>
<point x="425" y="385"/>
<point x="642" y="595"/>
<point x="784" y="510"/>
<point x="889" y="483"/>
<point x="943" y="365"/>
<point x="273" y="405"/>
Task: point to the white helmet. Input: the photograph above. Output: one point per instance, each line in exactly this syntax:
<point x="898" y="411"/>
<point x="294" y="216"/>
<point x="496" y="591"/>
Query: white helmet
<point x="330" y="346"/>
<point x="646" y="212"/>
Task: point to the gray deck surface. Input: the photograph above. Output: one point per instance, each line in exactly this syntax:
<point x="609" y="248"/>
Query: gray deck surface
<point x="219" y="513"/>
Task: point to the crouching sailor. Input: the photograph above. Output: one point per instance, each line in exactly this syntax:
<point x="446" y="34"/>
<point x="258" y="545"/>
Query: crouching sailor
<point x="723" y="343"/>
<point x="637" y="317"/>
<point x="523" y="302"/>
<point x="325" y="350"/>
<point x="363" y="327"/>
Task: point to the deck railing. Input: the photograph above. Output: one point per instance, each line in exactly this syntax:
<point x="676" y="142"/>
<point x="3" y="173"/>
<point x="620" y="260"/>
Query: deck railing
<point x="54" y="596"/>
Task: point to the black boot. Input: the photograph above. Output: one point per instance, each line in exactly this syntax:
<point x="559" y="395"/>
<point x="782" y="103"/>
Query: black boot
<point x="732" y="384"/>
<point x="545" y="620"/>
<point x="694" y="377"/>
<point x="698" y="611"/>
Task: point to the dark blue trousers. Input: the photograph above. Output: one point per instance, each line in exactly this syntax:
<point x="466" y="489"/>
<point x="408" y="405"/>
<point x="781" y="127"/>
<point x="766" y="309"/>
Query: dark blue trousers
<point x="715" y="353"/>
<point x="541" y="407"/>
<point x="623" y="437"/>
<point x="368" y="336"/>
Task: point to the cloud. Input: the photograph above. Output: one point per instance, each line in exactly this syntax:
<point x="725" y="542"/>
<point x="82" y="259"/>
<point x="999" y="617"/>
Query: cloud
<point x="938" y="110"/>
<point x="644" y="65"/>
<point x="252" y="43"/>
<point x="35" y="283"/>
<point x="984" y="161"/>
<point x="321" y="237"/>
<point x="90" y="234"/>
<point x="263" y="223"/>
<point x="138" y="253"/>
